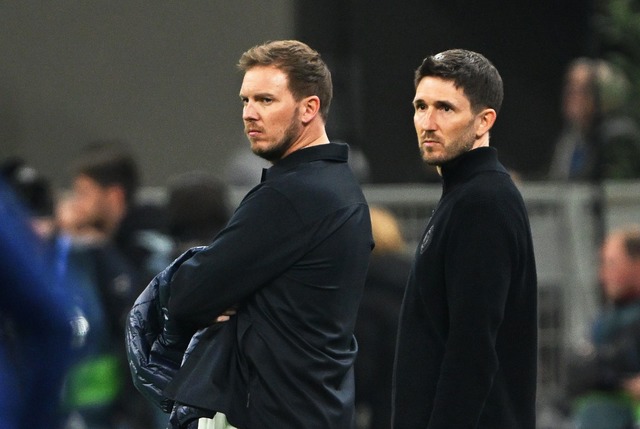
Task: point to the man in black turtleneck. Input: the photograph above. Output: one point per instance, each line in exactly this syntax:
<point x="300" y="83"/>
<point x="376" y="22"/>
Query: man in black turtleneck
<point x="467" y="344"/>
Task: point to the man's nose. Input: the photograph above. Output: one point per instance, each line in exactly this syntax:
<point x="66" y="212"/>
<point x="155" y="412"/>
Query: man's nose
<point x="427" y="121"/>
<point x="249" y="112"/>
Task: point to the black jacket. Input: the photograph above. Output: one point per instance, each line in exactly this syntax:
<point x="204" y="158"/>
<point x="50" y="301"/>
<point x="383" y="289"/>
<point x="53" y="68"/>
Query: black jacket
<point x="155" y="347"/>
<point x="293" y="259"/>
<point x="467" y="346"/>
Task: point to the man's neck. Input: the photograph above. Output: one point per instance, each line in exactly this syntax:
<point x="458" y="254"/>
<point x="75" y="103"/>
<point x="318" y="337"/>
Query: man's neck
<point x="312" y="135"/>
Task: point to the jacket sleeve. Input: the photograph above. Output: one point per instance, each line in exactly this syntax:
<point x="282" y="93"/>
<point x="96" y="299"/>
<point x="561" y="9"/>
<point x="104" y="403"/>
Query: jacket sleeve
<point x="264" y="237"/>
<point x="154" y="345"/>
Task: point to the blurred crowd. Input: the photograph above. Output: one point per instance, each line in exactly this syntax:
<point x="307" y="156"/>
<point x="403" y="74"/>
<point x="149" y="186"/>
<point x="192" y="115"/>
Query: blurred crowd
<point x="104" y="247"/>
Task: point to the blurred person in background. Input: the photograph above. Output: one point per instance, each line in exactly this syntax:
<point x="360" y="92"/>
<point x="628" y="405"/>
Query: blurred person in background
<point x="106" y="179"/>
<point x="126" y="243"/>
<point x="102" y="280"/>
<point x="599" y="140"/>
<point x="377" y="324"/>
<point x="38" y="312"/>
<point x="197" y="209"/>
<point x="604" y="376"/>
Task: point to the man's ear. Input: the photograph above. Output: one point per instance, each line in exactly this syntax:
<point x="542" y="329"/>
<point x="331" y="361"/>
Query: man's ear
<point x="484" y="121"/>
<point x="309" y="108"/>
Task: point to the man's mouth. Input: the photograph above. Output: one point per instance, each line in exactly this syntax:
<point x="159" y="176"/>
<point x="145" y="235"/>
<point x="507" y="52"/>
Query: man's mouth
<point x="430" y="143"/>
<point x="252" y="132"/>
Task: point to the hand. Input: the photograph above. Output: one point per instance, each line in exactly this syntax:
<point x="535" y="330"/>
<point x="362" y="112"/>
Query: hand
<point x="226" y="315"/>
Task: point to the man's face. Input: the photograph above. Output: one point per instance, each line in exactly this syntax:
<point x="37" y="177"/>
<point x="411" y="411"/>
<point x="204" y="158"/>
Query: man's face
<point x="578" y="103"/>
<point x="445" y="124"/>
<point x="616" y="272"/>
<point x="270" y="113"/>
<point x="91" y="203"/>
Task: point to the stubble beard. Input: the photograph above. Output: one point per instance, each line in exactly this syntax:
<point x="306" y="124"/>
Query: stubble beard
<point x="450" y="151"/>
<point x="277" y="151"/>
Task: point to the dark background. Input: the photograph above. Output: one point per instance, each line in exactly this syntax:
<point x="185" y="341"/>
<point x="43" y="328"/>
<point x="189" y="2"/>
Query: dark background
<point x="374" y="50"/>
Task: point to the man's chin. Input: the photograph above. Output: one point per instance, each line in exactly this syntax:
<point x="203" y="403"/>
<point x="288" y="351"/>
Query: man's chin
<point x="429" y="159"/>
<point x="257" y="149"/>
<point x="269" y="155"/>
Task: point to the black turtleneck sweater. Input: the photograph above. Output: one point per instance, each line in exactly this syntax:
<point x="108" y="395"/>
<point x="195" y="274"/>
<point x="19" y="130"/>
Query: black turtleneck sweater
<point x="467" y="342"/>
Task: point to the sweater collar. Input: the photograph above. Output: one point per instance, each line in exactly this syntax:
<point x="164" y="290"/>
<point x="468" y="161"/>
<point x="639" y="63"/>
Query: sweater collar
<point x="338" y="152"/>
<point x="462" y="168"/>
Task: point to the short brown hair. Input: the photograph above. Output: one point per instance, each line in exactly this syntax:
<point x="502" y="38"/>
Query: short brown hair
<point x="307" y="72"/>
<point x="469" y="70"/>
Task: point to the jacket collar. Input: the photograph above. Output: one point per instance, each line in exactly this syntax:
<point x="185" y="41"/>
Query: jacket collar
<point x="338" y="152"/>
<point x="462" y="168"/>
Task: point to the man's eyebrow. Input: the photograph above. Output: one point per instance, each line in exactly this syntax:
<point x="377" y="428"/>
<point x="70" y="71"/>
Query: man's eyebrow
<point x="445" y="103"/>
<point x="436" y="102"/>
<point x="258" y="95"/>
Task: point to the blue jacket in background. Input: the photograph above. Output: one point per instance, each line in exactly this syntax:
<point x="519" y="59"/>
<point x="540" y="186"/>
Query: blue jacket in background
<point x="36" y="312"/>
